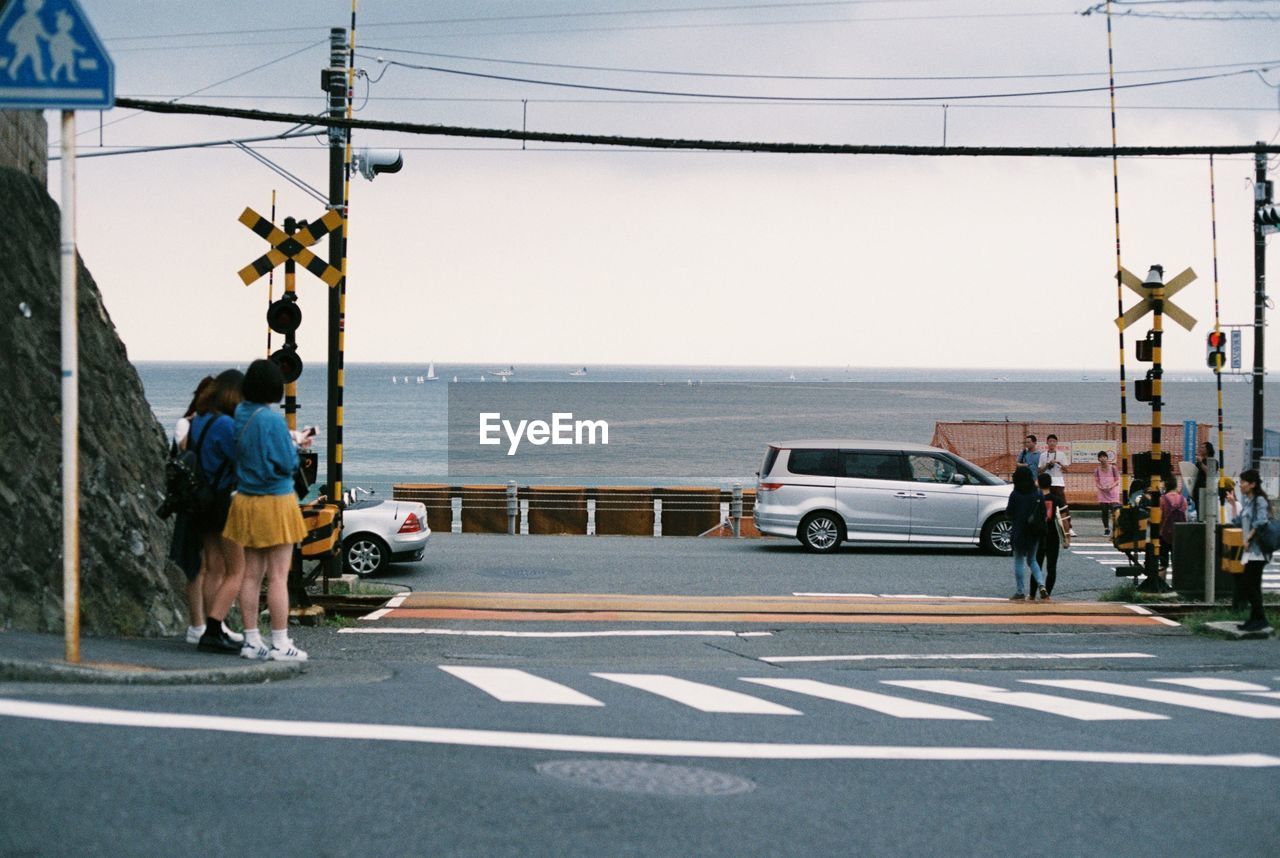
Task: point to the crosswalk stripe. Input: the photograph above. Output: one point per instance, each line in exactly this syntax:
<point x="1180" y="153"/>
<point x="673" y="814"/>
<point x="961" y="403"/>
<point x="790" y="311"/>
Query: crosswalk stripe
<point x="1274" y="695"/>
<point x="1213" y="683"/>
<point x="516" y="686"/>
<point x="1244" y="709"/>
<point x="705" y="698"/>
<point x="898" y="707"/>
<point x="1066" y="707"/>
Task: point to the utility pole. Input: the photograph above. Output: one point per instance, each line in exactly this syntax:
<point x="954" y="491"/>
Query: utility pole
<point x="1261" y="197"/>
<point x="334" y="83"/>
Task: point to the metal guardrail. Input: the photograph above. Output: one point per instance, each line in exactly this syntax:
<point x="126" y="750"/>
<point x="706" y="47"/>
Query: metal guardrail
<point x="583" y="510"/>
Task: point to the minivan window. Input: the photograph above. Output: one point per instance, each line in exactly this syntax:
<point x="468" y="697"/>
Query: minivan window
<point x="814" y="463"/>
<point x="930" y="469"/>
<point x="872" y="465"/>
<point x="769" y="458"/>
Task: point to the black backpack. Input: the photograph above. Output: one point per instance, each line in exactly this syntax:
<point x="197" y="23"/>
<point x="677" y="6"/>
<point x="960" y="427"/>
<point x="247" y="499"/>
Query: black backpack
<point x="186" y="489"/>
<point x="1036" y="521"/>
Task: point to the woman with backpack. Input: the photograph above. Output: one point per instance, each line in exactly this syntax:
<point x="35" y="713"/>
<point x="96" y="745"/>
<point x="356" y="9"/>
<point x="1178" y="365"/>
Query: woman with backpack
<point x="264" y="515"/>
<point x="1255" y="511"/>
<point x="1025" y="510"/>
<point x="1173" y="510"/>
<point x="212" y="438"/>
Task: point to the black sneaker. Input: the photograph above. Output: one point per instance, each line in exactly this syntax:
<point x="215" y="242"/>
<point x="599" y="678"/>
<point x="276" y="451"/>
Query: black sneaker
<point x="1255" y="626"/>
<point x="216" y="640"/>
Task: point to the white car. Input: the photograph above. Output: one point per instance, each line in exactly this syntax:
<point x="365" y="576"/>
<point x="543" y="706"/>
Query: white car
<point x="378" y="532"/>
<point x="826" y="492"/>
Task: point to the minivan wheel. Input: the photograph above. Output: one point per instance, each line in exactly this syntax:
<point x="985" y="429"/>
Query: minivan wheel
<point x="821" y="532"/>
<point x="997" y="535"/>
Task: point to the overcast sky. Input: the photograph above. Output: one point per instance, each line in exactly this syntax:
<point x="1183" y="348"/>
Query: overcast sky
<point x="493" y="252"/>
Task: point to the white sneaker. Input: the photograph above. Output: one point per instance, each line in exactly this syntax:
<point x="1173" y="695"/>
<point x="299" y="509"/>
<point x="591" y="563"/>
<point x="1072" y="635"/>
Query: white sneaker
<point x="254" y="653"/>
<point x="235" y="636"/>
<point x="194" y="633"/>
<point x="288" y="653"/>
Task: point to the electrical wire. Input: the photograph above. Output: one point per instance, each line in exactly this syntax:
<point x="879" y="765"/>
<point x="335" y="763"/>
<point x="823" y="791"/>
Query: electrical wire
<point x="679" y="143"/>
<point x="817" y="99"/>
<point x="369" y="49"/>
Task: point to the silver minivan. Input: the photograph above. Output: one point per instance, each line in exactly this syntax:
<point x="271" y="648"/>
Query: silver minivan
<point x="826" y="492"/>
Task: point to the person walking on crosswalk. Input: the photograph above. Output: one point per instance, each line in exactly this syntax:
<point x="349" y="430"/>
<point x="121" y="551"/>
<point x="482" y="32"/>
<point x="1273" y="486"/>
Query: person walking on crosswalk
<point x="1255" y="509"/>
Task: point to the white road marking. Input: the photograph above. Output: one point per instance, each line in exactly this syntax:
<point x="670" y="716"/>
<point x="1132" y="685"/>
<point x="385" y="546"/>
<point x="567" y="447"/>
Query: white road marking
<point x="898" y="707"/>
<point x="394" y="602"/>
<point x="516" y="686"/>
<point x="1213" y="683"/>
<point x="1064" y="706"/>
<point x="501" y="633"/>
<point x="570" y="743"/>
<point x="1033" y="656"/>
<point x="1244" y="709"/>
<point x="1274" y="695"/>
<point x="705" y="698"/>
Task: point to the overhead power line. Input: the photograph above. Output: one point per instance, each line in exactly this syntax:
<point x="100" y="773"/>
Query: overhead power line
<point x="368" y="52"/>
<point x="687" y="144"/>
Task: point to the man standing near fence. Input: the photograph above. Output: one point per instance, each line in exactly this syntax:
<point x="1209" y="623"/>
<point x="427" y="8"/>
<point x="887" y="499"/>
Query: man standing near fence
<point x="1029" y="455"/>
<point x="1054" y="462"/>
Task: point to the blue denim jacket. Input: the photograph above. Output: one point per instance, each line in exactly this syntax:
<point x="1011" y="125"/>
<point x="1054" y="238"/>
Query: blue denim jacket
<point x="266" y="456"/>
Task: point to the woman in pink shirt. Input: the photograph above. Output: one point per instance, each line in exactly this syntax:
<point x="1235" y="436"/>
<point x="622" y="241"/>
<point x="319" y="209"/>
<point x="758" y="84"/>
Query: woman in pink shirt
<point x="1107" y="480"/>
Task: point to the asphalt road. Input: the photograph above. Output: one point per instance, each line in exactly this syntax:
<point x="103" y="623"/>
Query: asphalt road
<point x="486" y="737"/>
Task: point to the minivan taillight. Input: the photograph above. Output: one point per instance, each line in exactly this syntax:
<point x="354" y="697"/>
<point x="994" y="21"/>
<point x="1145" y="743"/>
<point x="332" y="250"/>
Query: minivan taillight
<point x="770" y="487"/>
<point x="412" y="524"/>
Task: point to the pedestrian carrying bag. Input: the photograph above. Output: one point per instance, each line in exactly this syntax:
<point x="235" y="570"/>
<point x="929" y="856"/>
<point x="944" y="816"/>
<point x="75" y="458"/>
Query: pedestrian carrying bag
<point x="187" y="489"/>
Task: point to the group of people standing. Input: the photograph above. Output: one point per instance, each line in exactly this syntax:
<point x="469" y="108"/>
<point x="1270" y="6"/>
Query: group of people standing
<point x="1039" y="516"/>
<point x="247" y="533"/>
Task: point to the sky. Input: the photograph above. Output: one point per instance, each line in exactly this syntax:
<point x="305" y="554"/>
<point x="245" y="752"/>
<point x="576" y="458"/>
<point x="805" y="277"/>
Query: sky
<point x="486" y="251"/>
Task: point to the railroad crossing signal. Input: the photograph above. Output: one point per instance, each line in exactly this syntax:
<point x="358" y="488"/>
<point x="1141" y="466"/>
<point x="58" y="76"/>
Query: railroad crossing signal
<point x="1146" y="305"/>
<point x="285" y="247"/>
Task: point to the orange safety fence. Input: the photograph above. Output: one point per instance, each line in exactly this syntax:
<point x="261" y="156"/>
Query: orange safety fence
<point x="994" y="446"/>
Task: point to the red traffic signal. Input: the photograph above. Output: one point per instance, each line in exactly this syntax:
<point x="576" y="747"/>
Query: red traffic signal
<point x="284" y="315"/>
<point x="1216" y="350"/>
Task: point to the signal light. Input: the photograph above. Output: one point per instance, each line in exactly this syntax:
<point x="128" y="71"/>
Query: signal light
<point x="1144" y="389"/>
<point x="284" y="315"/>
<point x="1268" y="216"/>
<point x="1216" y="350"/>
<point x="1145" y="348"/>
<point x="290" y="364"/>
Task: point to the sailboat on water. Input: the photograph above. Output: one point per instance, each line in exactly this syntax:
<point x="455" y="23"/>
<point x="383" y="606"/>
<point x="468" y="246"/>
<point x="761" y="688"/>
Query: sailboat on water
<point x="431" y="371"/>
<point x="579" y="373"/>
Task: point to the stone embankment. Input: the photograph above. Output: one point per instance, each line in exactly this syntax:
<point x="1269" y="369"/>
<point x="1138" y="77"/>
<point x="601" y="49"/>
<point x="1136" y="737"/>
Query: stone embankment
<point x="127" y="584"/>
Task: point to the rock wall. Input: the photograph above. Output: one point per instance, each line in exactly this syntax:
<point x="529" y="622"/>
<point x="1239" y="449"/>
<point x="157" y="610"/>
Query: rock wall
<point x="127" y="585"/>
<point x="24" y="142"/>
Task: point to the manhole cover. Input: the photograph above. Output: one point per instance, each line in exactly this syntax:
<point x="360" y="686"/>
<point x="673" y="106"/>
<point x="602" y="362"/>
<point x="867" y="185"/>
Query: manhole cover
<point x="647" y="778"/>
<point x="522" y="574"/>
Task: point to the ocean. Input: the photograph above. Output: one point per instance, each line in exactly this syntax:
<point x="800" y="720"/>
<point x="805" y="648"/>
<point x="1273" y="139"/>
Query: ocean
<point x="711" y="424"/>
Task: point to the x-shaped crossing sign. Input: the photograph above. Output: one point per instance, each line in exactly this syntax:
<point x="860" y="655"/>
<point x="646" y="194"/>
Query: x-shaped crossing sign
<point x="1170" y="309"/>
<point x="285" y="247"/>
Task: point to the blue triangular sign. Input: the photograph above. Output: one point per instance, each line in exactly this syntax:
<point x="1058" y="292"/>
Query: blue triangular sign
<point x="50" y="57"/>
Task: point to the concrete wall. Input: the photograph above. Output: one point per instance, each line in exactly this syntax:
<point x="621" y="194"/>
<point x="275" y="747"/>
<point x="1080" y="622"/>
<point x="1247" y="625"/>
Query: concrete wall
<point x="24" y="143"/>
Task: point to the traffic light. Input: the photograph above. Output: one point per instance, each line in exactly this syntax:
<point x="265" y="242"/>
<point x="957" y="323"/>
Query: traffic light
<point x="1215" y="351"/>
<point x="371" y="162"/>
<point x="1145" y="348"/>
<point x="284" y="315"/>
<point x="1268" y="217"/>
<point x="1144" y="388"/>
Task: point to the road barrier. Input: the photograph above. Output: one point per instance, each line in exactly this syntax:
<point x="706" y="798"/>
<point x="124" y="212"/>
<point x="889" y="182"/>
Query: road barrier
<point x="580" y="511"/>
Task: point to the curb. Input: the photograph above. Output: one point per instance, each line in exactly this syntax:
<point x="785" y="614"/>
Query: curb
<point x="21" y="670"/>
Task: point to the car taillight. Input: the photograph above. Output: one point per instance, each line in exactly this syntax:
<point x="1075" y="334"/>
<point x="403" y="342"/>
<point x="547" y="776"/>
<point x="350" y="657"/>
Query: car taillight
<point x="412" y="524"/>
<point x="770" y="487"/>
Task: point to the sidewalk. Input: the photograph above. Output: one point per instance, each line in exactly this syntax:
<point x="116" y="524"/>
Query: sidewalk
<point x="33" y="657"/>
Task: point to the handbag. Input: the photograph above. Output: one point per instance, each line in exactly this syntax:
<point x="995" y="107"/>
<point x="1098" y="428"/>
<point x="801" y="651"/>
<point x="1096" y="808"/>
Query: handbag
<point x="1064" y="533"/>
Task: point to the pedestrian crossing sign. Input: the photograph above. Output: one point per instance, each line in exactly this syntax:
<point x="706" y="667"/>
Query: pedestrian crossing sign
<point x="50" y="57"/>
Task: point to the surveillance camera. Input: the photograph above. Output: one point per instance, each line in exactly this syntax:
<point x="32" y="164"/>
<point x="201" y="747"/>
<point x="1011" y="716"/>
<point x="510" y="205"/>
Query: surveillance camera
<point x="371" y="162"/>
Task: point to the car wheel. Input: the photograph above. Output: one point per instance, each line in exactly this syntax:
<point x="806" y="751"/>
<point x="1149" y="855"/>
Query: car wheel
<point x="365" y="554"/>
<point x="997" y="535"/>
<point x="821" y="532"/>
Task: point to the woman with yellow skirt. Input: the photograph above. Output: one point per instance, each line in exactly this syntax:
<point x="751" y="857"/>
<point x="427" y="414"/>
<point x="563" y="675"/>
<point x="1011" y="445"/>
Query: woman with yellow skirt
<point x="264" y="515"/>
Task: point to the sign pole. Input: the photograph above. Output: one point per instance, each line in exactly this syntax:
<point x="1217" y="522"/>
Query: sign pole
<point x="70" y="397"/>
